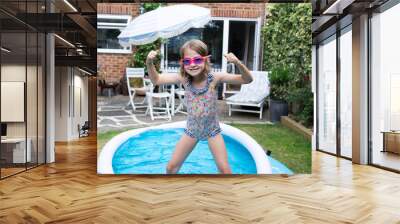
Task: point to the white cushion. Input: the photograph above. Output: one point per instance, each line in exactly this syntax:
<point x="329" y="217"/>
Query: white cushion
<point x="254" y="92"/>
<point x="158" y="95"/>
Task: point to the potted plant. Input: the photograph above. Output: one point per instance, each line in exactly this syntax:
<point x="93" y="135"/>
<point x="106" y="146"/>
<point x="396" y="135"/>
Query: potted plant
<point x="279" y="79"/>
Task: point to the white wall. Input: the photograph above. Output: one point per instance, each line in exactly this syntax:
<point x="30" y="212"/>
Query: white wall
<point x="61" y="103"/>
<point x="12" y="73"/>
<point x="71" y="87"/>
<point x="82" y="82"/>
<point x="80" y="109"/>
<point x="33" y="125"/>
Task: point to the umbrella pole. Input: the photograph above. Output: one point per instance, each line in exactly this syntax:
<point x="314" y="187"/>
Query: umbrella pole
<point x="166" y="54"/>
<point x="162" y="58"/>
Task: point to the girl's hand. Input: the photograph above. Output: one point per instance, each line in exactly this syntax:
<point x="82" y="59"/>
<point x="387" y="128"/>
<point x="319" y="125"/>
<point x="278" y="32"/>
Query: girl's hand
<point x="231" y="58"/>
<point x="151" y="56"/>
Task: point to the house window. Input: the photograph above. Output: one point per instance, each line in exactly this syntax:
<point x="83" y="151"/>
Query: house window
<point x="385" y="89"/>
<point x="108" y="29"/>
<point x="346" y="92"/>
<point x="211" y="34"/>
<point x="327" y="95"/>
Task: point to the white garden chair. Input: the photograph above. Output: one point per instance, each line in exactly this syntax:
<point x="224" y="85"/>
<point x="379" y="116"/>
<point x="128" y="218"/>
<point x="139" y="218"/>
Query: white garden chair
<point x="155" y="112"/>
<point x="252" y="94"/>
<point x="136" y="73"/>
<point x="180" y="92"/>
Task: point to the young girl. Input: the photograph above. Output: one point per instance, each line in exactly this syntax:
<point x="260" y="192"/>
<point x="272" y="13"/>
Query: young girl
<point x="201" y="100"/>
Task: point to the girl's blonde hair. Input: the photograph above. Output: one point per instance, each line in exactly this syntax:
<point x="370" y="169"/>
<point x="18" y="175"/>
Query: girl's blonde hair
<point x="201" y="48"/>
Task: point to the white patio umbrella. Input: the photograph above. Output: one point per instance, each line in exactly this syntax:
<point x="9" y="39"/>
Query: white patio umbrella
<point x="164" y="22"/>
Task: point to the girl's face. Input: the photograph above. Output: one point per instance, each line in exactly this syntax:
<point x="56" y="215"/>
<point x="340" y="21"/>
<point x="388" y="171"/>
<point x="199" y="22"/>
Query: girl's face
<point x="193" y="63"/>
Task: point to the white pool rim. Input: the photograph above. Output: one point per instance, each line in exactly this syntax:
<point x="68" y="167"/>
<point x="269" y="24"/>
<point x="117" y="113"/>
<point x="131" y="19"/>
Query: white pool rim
<point x="104" y="161"/>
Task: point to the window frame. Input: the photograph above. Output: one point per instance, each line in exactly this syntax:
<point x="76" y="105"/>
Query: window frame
<point x="108" y="25"/>
<point x="225" y="38"/>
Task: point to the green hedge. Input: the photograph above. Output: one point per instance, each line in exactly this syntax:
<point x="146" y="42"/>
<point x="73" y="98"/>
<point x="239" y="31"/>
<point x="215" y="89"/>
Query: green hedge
<point x="287" y="44"/>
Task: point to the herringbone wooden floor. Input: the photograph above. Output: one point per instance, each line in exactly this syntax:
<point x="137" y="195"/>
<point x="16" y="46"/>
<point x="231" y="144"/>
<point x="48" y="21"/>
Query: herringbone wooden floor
<point x="70" y="191"/>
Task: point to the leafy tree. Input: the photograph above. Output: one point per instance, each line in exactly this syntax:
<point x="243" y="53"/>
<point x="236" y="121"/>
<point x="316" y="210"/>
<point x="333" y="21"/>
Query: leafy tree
<point x="287" y="44"/>
<point x="139" y="56"/>
<point x="141" y="51"/>
<point x="147" y="7"/>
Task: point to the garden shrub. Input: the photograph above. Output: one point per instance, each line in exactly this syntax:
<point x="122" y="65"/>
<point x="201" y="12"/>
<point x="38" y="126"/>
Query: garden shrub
<point x="287" y="44"/>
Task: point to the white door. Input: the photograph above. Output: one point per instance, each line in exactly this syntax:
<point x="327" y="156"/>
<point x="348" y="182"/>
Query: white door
<point x="242" y="41"/>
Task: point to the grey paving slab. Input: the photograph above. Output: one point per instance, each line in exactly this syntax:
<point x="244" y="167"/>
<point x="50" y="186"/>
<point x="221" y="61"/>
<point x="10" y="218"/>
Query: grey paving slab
<point x="116" y="113"/>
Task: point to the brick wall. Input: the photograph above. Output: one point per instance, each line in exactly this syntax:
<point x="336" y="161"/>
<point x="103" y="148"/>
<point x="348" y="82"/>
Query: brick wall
<point x="118" y="8"/>
<point x="114" y="64"/>
<point x="237" y="10"/>
<point x="240" y="10"/>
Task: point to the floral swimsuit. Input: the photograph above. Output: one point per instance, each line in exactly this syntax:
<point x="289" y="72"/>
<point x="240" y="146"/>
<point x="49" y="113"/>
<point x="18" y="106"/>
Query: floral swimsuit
<point x="202" y="110"/>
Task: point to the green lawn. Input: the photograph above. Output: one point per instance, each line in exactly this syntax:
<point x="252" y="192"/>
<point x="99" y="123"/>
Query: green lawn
<point x="287" y="146"/>
<point x="103" y="138"/>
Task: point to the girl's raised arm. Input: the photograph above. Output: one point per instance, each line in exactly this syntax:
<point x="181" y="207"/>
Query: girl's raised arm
<point x="245" y="76"/>
<point x="155" y="77"/>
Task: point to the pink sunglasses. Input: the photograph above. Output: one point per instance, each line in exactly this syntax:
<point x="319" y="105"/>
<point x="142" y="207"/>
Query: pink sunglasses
<point x="196" y="60"/>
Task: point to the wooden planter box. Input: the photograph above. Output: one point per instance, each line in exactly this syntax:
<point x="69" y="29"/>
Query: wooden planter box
<point x="290" y="123"/>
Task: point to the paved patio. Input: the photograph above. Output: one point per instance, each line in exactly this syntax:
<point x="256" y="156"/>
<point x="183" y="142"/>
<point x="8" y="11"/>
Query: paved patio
<point x="115" y="113"/>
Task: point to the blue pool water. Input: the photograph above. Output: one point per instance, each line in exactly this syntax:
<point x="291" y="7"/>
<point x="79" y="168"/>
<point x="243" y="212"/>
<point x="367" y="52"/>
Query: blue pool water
<point x="150" y="151"/>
